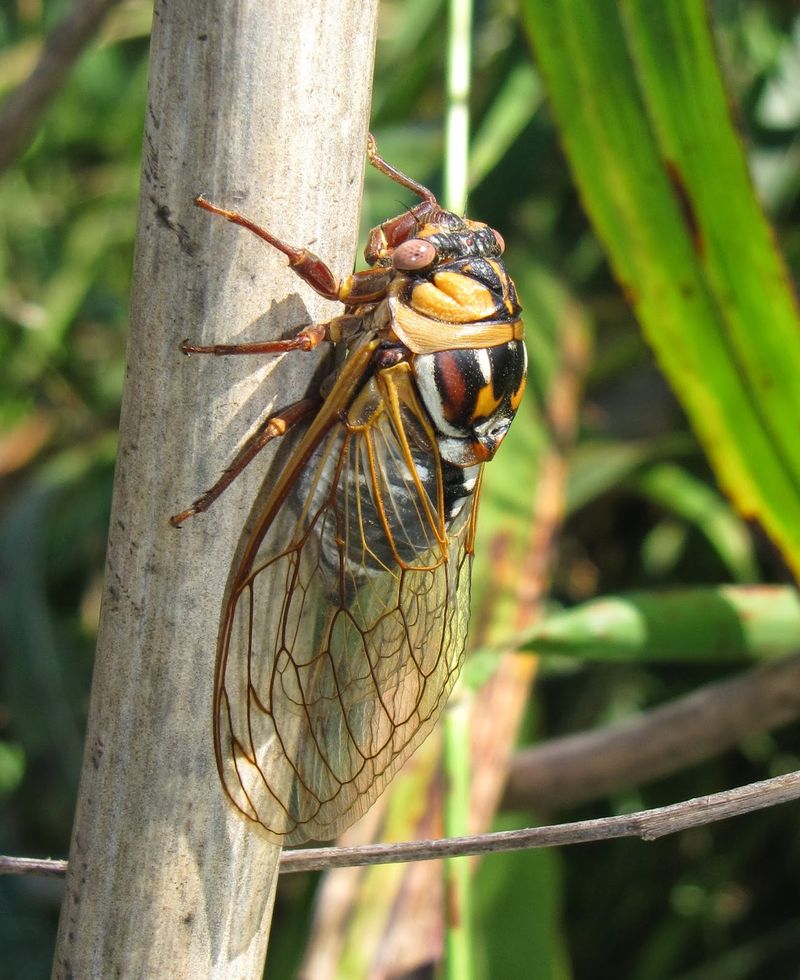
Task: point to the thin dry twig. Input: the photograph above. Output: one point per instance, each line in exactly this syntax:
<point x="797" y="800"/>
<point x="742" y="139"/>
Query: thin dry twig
<point x="40" y="867"/>
<point x="589" y="765"/>
<point x="23" y="109"/>
<point x="648" y="825"/>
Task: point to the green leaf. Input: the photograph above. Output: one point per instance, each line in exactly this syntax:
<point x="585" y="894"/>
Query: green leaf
<point x="711" y="624"/>
<point x="599" y="466"/>
<point x="645" y="123"/>
<point x="690" y="498"/>
<point x="511" y="110"/>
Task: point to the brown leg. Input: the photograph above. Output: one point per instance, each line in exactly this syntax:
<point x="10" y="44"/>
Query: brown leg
<point x="394" y="174"/>
<point x="272" y="427"/>
<point x="306" y="339"/>
<point x="307" y="265"/>
<point x="361" y="287"/>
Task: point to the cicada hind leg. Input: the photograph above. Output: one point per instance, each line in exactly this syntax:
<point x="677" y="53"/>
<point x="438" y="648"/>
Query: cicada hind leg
<point x="271" y="428"/>
<point x="306" y="339"/>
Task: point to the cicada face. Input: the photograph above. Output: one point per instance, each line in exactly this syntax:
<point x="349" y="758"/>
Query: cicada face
<point x="345" y="622"/>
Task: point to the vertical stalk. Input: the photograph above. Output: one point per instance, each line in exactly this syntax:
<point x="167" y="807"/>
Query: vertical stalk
<point x="263" y="107"/>
<point x="457" y="871"/>
<point x="459" y="65"/>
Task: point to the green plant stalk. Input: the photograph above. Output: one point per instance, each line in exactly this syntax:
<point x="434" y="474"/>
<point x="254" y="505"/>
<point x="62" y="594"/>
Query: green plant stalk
<point x="457" y="872"/>
<point x="459" y="62"/>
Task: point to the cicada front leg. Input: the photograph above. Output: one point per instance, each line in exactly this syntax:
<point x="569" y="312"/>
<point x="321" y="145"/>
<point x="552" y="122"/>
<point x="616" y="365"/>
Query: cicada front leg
<point x="306" y="339"/>
<point x="358" y="290"/>
<point x="361" y="287"/>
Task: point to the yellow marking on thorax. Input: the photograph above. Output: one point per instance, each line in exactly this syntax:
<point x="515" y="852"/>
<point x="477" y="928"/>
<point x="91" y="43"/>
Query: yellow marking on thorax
<point x="454" y="298"/>
<point x="502" y="275"/>
<point x="486" y="403"/>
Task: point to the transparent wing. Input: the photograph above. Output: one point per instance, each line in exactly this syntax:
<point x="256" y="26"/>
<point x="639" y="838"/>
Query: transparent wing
<point x="344" y="634"/>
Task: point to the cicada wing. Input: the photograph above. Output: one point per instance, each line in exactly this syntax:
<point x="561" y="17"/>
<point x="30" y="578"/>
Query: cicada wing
<point x="345" y="632"/>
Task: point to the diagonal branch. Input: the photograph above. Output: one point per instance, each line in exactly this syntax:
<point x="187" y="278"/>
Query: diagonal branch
<point x="24" y="108"/>
<point x="587" y="766"/>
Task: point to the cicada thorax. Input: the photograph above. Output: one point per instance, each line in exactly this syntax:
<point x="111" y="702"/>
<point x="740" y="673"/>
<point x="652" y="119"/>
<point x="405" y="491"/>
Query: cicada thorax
<point x="460" y="320"/>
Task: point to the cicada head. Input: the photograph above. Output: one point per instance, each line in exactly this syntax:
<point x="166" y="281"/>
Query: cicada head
<point x="427" y="236"/>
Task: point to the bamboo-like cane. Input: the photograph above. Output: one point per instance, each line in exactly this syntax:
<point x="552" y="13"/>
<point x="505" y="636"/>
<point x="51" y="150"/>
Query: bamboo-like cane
<point x="262" y="107"/>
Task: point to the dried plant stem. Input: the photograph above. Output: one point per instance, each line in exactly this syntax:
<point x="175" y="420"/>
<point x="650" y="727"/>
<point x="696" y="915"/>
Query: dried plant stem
<point x="577" y="768"/>
<point x="648" y="825"/>
<point x="264" y="107"/>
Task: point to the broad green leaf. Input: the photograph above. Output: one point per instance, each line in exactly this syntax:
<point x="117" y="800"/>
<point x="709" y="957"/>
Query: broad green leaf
<point x="710" y="624"/>
<point x="677" y="490"/>
<point x="645" y="123"/>
<point x="512" y="109"/>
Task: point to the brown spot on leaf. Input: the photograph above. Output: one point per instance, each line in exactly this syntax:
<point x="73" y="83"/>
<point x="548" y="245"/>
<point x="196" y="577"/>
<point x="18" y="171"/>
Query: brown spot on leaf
<point x="688" y="212"/>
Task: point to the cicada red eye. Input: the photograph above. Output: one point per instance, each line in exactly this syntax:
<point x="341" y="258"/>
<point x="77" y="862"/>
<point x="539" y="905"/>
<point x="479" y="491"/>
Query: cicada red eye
<point x="414" y="254"/>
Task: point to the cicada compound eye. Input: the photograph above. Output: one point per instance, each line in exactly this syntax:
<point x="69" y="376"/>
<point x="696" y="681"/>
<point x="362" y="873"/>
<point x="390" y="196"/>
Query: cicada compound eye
<point x="501" y="244"/>
<point x="416" y="253"/>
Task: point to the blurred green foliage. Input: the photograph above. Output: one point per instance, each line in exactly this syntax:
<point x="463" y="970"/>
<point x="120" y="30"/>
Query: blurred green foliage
<point x="643" y="508"/>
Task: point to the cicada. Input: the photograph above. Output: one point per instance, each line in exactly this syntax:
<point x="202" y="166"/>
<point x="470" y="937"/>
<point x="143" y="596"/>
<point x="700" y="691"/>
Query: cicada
<point x="345" y="620"/>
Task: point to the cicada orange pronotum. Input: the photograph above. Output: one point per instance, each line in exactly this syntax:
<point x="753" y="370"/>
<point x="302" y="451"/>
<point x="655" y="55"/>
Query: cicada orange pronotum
<point x="344" y="626"/>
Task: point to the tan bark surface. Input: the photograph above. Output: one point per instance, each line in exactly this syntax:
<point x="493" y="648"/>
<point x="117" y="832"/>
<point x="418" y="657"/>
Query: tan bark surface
<point x="261" y="107"/>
